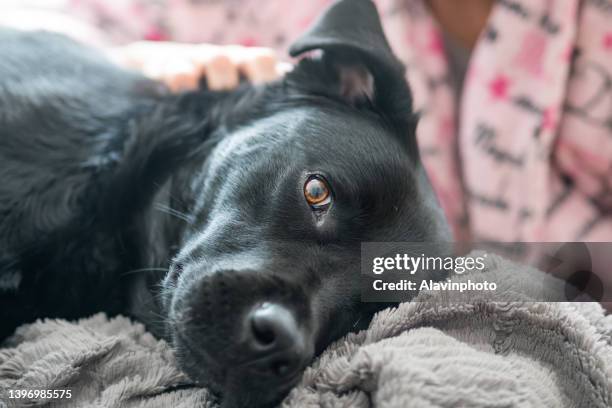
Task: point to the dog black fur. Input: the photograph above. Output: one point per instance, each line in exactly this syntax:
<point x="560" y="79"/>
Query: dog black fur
<point x="186" y="211"/>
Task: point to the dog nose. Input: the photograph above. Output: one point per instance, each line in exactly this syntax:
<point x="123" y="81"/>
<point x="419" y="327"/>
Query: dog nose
<point x="276" y="339"/>
<point x="273" y="326"/>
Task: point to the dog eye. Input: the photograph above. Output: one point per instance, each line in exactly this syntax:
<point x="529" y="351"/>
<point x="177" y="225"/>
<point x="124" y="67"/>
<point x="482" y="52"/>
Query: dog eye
<point x="317" y="192"/>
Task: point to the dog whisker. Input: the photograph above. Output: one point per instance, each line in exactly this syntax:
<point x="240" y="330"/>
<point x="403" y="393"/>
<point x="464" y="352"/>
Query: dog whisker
<point x="133" y="271"/>
<point x="175" y="213"/>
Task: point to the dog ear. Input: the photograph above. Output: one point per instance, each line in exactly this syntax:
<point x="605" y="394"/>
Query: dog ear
<point x="168" y="138"/>
<point x="357" y="58"/>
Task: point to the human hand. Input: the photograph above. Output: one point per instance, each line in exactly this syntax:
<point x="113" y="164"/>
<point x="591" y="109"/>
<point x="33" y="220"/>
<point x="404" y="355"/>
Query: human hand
<point x="181" y="66"/>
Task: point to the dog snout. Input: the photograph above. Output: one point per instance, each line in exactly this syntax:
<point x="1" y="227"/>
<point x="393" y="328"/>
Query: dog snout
<point x="253" y="328"/>
<point x="277" y="344"/>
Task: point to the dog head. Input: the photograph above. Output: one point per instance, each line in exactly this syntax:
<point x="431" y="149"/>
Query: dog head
<point x="267" y="271"/>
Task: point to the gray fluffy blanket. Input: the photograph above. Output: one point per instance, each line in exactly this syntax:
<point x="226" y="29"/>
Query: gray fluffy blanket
<point x="443" y="352"/>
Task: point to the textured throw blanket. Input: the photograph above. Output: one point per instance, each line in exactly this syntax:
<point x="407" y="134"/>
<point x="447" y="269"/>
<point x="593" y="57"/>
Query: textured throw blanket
<point x="438" y="351"/>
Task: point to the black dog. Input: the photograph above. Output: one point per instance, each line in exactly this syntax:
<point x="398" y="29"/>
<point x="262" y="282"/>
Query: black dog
<point x="229" y="222"/>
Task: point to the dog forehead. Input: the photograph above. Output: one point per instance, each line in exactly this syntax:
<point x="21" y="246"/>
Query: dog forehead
<point x="347" y="138"/>
<point x="338" y="131"/>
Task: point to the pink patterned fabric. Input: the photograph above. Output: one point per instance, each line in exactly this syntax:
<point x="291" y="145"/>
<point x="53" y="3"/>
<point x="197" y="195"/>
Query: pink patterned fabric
<point x="245" y="22"/>
<point x="530" y="158"/>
